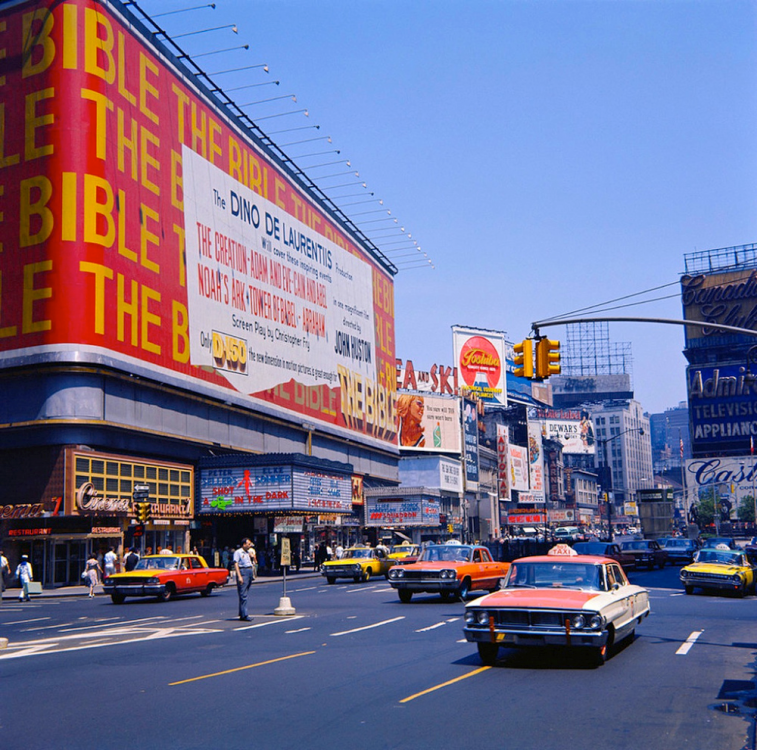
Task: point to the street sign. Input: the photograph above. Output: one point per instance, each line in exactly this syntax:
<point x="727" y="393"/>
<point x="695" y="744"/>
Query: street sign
<point x="286" y="552"/>
<point x="141" y="491"/>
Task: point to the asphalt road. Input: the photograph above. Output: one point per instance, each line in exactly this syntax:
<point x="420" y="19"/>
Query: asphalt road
<point x="356" y="668"/>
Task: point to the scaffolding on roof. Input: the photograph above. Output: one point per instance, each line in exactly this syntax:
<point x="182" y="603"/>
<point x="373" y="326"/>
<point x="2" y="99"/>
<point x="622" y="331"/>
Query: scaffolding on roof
<point x="589" y="351"/>
<point x="721" y="259"/>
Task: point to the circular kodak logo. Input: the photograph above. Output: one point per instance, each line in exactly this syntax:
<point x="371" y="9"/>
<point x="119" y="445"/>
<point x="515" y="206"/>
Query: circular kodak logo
<point x="478" y="355"/>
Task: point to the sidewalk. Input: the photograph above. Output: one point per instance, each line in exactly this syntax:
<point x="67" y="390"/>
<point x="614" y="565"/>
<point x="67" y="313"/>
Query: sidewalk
<point x="11" y="594"/>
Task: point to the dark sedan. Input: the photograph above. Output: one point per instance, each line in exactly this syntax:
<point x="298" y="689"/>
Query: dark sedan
<point x="681" y="551"/>
<point x="714" y="541"/>
<point x="647" y="553"/>
<point x="606" y="549"/>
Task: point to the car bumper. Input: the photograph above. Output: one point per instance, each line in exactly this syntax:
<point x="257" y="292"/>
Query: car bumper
<point x="135" y="589"/>
<point x="542" y="637"/>
<point x="712" y="583"/>
<point x="433" y="586"/>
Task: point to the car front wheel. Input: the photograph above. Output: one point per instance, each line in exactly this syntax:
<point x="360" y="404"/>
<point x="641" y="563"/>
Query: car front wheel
<point x="117" y="598"/>
<point x="207" y="591"/>
<point x="367" y="575"/>
<point x="464" y="589"/>
<point x="405" y="596"/>
<point x="167" y="594"/>
<point x="488" y="653"/>
<point x="688" y="589"/>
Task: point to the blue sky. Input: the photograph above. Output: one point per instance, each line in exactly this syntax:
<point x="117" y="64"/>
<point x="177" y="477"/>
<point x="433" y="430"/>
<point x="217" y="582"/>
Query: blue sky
<point x="546" y="156"/>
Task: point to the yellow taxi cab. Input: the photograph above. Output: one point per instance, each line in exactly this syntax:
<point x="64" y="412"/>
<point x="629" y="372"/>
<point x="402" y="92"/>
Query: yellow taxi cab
<point x="719" y="568"/>
<point x="400" y="553"/>
<point x="358" y="563"/>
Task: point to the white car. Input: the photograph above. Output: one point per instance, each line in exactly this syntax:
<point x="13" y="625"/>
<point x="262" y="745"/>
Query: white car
<point x="558" y="599"/>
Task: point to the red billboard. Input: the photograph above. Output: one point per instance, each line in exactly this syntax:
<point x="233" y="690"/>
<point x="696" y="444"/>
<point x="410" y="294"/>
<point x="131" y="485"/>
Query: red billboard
<point x="104" y="260"/>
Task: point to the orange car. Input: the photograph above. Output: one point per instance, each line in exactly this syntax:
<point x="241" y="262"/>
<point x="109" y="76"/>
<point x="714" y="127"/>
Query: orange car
<point x="451" y="570"/>
<point x="164" y="576"/>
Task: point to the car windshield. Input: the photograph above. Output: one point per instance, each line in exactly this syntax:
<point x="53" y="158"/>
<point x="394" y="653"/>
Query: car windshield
<point x="720" y="557"/>
<point x="158" y="563"/>
<point x="679" y="543"/>
<point x="358" y="553"/>
<point x="561" y="575"/>
<point x="445" y="553"/>
<point x="635" y="545"/>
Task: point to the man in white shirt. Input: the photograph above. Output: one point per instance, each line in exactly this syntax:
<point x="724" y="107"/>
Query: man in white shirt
<point x="244" y="560"/>
<point x="109" y="562"/>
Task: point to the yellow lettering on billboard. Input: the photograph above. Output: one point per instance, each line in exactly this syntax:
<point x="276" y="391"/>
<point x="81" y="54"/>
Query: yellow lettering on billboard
<point x="39" y="49"/>
<point x="98" y="51"/>
<point x="199" y="131"/>
<point x="102" y="105"/>
<point x="125" y="143"/>
<point x="68" y="220"/>
<point x="125" y="93"/>
<point x="146" y="88"/>
<point x="70" y="36"/>
<point x="122" y="249"/>
<point x="33" y="294"/>
<point x="149" y="319"/>
<point x="148" y="160"/>
<point x="124" y="308"/>
<point x="182" y="102"/>
<point x="147" y="237"/>
<point x="177" y="182"/>
<point x="180" y="327"/>
<point x="6" y="331"/>
<point x="5" y="161"/>
<point x="100" y="273"/>
<point x="179" y="232"/>
<point x="94" y="209"/>
<point x="34" y="195"/>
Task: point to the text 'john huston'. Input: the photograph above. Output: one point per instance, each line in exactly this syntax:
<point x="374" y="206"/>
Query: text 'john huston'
<point x="353" y="347"/>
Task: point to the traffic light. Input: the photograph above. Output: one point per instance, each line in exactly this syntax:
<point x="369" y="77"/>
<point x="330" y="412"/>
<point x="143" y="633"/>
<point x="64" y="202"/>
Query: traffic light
<point x="142" y="511"/>
<point x="524" y="359"/>
<point x="547" y="358"/>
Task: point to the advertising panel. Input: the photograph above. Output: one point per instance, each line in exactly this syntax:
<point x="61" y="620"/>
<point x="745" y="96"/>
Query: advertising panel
<point x="470" y="437"/>
<point x="571" y="427"/>
<point x="728" y="298"/>
<point x="406" y="513"/>
<point x="273" y="488"/>
<point x="535" y="463"/>
<point x="480" y="361"/>
<point x="437" y="379"/>
<point x="722" y="407"/>
<point x="518" y="460"/>
<point x="735" y="477"/>
<point x="437" y="472"/>
<point x="149" y="232"/>
<point x="428" y="423"/>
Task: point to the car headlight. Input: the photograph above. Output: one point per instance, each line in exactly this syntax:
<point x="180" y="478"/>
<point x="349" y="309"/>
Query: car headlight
<point x="396" y="573"/>
<point x="483" y="617"/>
<point x="356" y="567"/>
<point x="684" y="573"/>
<point x="596" y="622"/>
<point x="471" y="616"/>
<point x="448" y="574"/>
<point x="577" y="622"/>
<point x="154" y="581"/>
<point x="323" y="568"/>
<point x="736" y="577"/>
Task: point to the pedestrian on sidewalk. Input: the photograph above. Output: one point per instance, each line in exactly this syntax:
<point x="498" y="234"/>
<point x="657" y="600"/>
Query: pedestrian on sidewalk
<point x="110" y="562"/>
<point x="93" y="571"/>
<point x="25" y="576"/>
<point x="5" y="572"/>
<point x="244" y="560"/>
<point x="131" y="560"/>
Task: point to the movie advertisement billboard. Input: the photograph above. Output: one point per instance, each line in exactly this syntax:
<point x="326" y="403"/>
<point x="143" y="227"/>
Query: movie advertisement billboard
<point x="571" y="427"/>
<point x="480" y="362"/>
<point x="428" y="423"/>
<point x="535" y="462"/>
<point x="518" y="460"/>
<point x="424" y="512"/>
<point x="153" y="234"/>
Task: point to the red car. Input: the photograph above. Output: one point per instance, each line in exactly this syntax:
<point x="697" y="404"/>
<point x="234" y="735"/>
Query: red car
<point x="165" y="576"/>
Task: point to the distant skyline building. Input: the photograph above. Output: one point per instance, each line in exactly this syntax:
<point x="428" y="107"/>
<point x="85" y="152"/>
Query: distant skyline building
<point x="670" y="438"/>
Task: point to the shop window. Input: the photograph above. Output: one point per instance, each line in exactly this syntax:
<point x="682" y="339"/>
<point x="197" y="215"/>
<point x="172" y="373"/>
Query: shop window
<point x="111" y="469"/>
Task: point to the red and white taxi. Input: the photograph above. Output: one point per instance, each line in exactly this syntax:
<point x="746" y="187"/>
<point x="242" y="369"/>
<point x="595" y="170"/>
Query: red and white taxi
<point x="558" y="599"/>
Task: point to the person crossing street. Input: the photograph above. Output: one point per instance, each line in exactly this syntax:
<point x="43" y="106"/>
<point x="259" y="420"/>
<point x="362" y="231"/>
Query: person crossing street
<point x="244" y="560"/>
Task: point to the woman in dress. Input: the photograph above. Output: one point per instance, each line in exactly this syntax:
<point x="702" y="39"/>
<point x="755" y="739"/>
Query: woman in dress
<point x="93" y="571"/>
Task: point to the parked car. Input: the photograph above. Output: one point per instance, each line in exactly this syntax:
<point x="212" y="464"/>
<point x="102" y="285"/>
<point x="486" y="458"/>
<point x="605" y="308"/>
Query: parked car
<point x="165" y="576"/>
<point x="647" y="553"/>
<point x="558" y="599"/>
<point x="358" y="563"/>
<point x="606" y="549"/>
<point x="402" y="554"/>
<point x="681" y="550"/>
<point x="719" y="568"/>
<point x="451" y="570"/>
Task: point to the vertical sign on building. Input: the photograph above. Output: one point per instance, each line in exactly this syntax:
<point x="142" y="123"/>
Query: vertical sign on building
<point x="470" y="440"/>
<point x="536" y="461"/>
<point x="518" y="458"/>
<point x="503" y="476"/>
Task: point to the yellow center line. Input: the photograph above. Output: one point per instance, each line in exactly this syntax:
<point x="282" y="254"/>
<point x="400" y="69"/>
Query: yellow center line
<point x="444" y="684"/>
<point x="239" y="669"/>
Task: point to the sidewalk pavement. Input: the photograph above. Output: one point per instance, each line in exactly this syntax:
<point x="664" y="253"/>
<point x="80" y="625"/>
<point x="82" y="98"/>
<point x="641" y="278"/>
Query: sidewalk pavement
<point x="83" y="591"/>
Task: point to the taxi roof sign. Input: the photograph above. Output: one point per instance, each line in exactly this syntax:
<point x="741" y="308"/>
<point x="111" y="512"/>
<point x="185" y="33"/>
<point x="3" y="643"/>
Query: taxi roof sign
<point x="562" y="550"/>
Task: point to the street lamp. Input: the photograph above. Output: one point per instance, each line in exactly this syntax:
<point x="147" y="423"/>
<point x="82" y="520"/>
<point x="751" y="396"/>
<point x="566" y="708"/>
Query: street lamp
<point x="608" y="470"/>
